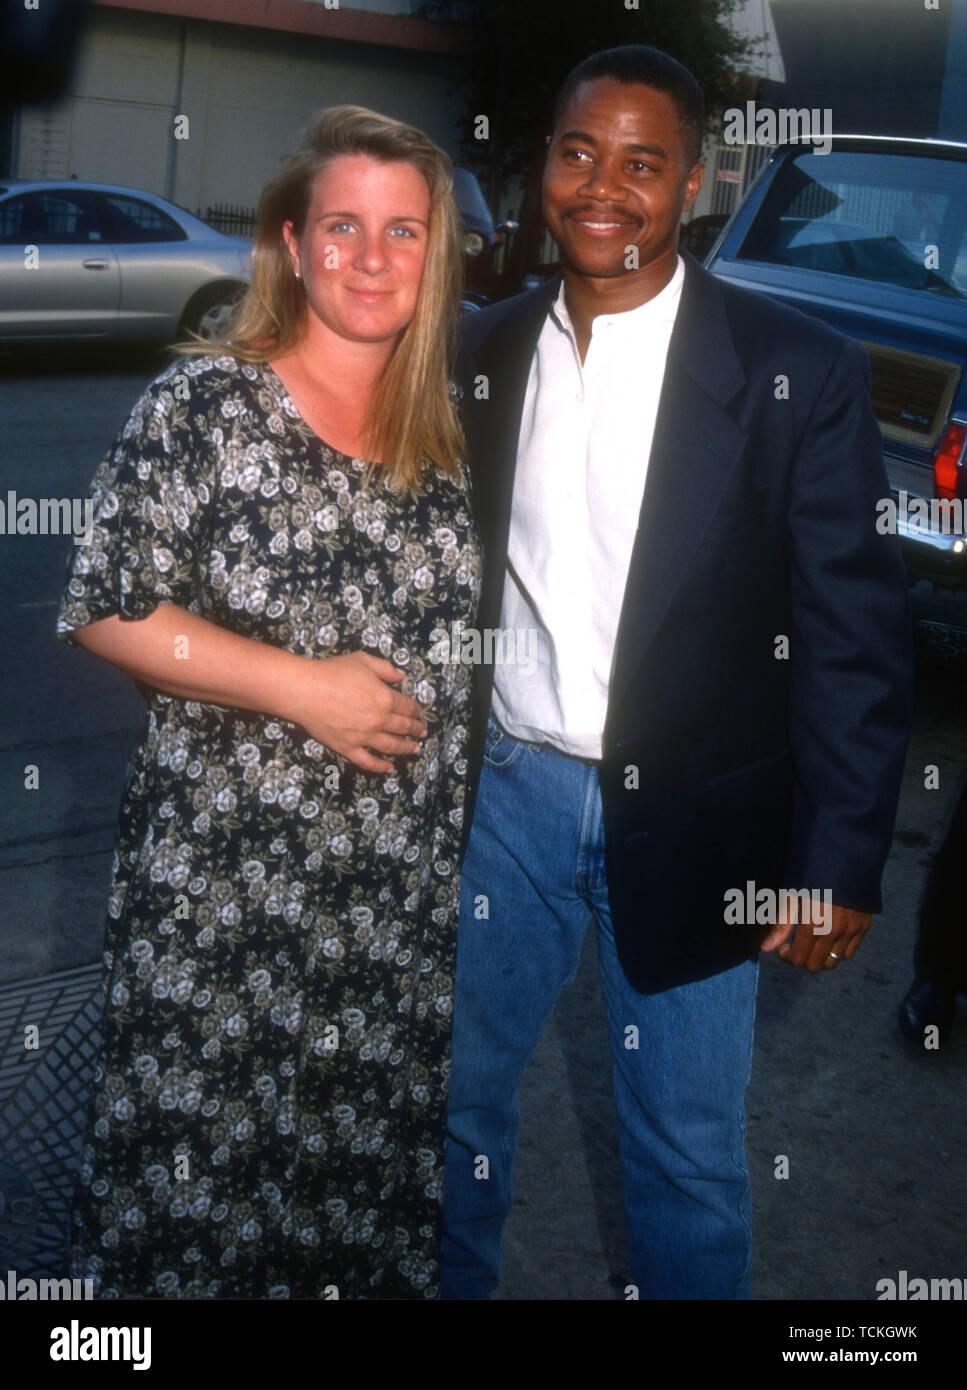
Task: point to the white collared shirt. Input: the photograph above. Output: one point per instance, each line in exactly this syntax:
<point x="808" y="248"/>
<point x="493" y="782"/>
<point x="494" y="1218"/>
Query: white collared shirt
<point x="582" y="455"/>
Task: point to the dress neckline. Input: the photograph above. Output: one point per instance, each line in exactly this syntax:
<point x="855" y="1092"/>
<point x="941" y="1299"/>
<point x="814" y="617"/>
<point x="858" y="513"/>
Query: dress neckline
<point x="280" y="389"/>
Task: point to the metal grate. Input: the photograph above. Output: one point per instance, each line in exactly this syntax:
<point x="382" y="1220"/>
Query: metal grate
<point x="43" y="1112"/>
<point x="233" y="220"/>
<point x="912" y="393"/>
<point x="727" y="187"/>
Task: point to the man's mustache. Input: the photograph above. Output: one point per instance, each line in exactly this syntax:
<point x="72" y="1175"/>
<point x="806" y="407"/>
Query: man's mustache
<point x="604" y="215"/>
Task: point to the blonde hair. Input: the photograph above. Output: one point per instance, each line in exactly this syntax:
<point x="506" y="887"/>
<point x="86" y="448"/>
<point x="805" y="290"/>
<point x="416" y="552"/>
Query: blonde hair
<point x="411" y="414"/>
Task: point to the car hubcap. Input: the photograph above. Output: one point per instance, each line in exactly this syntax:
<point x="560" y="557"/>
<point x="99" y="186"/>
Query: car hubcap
<point x="214" y="320"/>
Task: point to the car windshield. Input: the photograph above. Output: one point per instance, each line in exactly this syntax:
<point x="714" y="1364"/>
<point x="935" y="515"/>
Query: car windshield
<point x="898" y="219"/>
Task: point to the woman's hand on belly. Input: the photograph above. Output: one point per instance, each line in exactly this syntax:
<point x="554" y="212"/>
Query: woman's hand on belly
<point x="347" y="703"/>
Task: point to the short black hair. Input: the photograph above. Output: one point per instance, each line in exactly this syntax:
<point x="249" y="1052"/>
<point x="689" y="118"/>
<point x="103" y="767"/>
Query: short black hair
<point x="640" y="63"/>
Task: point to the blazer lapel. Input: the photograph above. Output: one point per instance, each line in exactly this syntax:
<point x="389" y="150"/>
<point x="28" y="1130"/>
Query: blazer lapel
<point x="695" y="445"/>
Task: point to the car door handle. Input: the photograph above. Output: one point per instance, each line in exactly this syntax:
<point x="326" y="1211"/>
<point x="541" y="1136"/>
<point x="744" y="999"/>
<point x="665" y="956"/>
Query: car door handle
<point x="95" y="265"/>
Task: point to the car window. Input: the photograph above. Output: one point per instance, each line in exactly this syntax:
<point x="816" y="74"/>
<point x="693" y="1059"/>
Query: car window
<point x="48" y="218"/>
<point x="897" y="219"/>
<point x="131" y="220"/>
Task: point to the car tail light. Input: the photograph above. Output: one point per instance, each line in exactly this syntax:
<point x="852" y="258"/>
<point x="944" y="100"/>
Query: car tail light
<point x="946" y="465"/>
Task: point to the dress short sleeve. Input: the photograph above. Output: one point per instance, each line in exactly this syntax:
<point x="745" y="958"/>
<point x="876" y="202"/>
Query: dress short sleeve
<point x="152" y="500"/>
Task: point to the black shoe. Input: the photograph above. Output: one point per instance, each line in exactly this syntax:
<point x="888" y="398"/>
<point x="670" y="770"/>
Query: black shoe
<point x="927" y="1005"/>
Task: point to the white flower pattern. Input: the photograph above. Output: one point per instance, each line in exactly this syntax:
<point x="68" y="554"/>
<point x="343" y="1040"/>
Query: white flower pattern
<point x="261" y="906"/>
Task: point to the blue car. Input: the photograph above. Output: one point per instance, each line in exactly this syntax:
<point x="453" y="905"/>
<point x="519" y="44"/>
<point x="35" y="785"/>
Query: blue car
<point x="872" y="238"/>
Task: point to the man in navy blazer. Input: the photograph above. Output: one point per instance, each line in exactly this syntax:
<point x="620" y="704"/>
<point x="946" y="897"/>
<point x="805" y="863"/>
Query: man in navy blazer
<point x="676" y="484"/>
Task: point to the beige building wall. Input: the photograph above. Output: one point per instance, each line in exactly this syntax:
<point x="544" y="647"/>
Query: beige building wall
<point x="751" y="20"/>
<point x="245" y="92"/>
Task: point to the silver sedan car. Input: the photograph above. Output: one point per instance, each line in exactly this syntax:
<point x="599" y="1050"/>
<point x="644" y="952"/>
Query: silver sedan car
<point x="90" y="260"/>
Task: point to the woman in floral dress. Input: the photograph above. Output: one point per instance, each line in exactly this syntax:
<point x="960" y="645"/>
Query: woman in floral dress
<point x="280" y="529"/>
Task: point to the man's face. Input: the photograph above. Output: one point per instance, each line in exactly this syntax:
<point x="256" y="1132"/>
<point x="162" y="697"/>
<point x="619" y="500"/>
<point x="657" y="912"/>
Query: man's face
<point x="617" y="179"/>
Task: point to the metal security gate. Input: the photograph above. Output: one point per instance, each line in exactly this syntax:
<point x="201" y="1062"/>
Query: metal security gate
<point x="735" y="168"/>
<point x="43" y="1112"/>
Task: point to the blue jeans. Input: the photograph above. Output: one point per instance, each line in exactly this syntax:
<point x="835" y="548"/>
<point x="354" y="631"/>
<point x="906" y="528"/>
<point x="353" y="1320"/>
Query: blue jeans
<point x="533" y="875"/>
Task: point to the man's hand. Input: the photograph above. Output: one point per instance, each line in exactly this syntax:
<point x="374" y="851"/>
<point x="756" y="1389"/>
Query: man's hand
<point x="820" y="943"/>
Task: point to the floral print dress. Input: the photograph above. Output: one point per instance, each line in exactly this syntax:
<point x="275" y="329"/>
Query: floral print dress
<point x="268" y="1115"/>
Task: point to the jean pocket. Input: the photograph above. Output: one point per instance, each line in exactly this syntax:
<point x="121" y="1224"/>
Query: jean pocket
<point x="500" y="750"/>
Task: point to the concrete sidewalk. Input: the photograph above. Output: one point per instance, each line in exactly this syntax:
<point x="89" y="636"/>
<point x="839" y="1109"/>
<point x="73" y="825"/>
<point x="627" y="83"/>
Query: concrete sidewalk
<point x="874" y="1133"/>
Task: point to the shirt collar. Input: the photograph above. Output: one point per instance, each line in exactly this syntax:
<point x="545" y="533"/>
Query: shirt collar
<point x="662" y="307"/>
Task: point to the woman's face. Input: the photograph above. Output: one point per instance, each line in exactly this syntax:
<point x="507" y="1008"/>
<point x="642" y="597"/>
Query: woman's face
<point x="362" y="252"/>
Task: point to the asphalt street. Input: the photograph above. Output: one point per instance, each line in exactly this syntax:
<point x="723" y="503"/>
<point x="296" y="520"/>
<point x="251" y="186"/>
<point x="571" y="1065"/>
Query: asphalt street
<point x="874" y="1131"/>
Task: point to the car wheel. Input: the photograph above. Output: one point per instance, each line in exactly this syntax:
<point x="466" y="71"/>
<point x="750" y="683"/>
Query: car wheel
<point x="210" y="312"/>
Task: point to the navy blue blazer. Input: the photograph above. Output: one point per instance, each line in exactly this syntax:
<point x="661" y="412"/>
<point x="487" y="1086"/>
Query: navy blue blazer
<point x="726" y="761"/>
